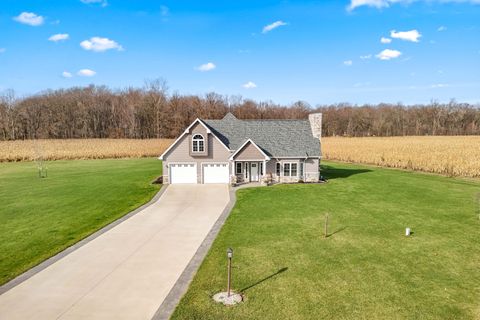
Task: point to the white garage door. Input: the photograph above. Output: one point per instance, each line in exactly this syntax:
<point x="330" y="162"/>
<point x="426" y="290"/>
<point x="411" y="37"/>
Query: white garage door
<point x="183" y="173"/>
<point x="215" y="173"/>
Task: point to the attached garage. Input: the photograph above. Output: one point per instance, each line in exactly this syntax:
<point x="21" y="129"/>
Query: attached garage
<point x="216" y="173"/>
<point x="183" y="173"/>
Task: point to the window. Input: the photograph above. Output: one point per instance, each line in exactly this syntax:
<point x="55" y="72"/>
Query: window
<point x="301" y="169"/>
<point x="246" y="170"/>
<point x="290" y="169"/>
<point x="238" y="168"/>
<point x="261" y="169"/>
<point x="293" y="169"/>
<point x="278" y="168"/>
<point x="198" y="143"/>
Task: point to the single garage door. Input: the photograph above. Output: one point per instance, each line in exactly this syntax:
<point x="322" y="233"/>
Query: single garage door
<point x="215" y="173"/>
<point x="183" y="173"/>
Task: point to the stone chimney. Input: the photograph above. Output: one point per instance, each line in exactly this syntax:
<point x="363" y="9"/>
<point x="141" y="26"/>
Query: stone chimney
<point x="316" y="124"/>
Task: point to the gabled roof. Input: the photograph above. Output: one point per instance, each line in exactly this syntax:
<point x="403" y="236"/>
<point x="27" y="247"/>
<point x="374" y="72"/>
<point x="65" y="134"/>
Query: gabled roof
<point x="188" y="131"/>
<point x="276" y="138"/>
<point x="245" y="144"/>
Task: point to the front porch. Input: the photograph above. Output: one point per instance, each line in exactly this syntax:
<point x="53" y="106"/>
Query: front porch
<point x="249" y="171"/>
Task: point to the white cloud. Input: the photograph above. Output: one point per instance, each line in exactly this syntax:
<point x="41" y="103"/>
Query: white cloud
<point x="361" y="84"/>
<point x="206" y="67"/>
<point x="347" y="63"/>
<point x="386" y="3"/>
<point x="385" y="40"/>
<point x="371" y="3"/>
<point x="86" y="73"/>
<point x="103" y="3"/>
<point x="388" y="54"/>
<point x="164" y="11"/>
<point x="29" y="18"/>
<point x="441" y="28"/>
<point x="365" y="57"/>
<point x="59" y="37"/>
<point x="412" y="35"/>
<point x="274" y="25"/>
<point x="249" y="85"/>
<point x="98" y="44"/>
<point x="439" y="85"/>
<point x="2" y="50"/>
<point x="67" y="74"/>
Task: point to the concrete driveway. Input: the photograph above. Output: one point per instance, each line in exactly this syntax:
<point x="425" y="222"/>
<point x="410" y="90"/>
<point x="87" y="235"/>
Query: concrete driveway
<point x="127" y="272"/>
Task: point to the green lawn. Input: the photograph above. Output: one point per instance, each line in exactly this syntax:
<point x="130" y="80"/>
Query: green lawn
<point x="366" y="268"/>
<point x="40" y="217"/>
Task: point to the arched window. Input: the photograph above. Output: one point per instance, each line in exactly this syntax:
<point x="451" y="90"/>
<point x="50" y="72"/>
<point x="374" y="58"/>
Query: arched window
<point x="198" y="143"/>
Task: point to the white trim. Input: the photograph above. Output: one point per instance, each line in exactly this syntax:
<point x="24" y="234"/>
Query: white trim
<point x="180" y="162"/>
<point x="252" y="160"/>
<point x="235" y="163"/>
<point x="290" y="169"/>
<point x="243" y="145"/>
<point x="188" y="131"/>
<point x="213" y="162"/>
<point x="298" y="157"/>
<point x="198" y="145"/>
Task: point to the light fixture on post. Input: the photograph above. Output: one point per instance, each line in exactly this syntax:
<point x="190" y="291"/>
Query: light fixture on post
<point x="229" y="297"/>
<point x="229" y="271"/>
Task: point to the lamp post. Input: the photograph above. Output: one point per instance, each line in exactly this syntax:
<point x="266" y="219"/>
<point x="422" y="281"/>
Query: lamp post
<point x="229" y="274"/>
<point x="228" y="298"/>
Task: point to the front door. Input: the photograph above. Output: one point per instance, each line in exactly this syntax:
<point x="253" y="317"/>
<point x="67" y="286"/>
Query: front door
<point x="254" y="172"/>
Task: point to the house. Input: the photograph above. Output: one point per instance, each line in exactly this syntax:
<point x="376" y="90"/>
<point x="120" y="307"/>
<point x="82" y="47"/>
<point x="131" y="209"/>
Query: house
<point x="219" y="151"/>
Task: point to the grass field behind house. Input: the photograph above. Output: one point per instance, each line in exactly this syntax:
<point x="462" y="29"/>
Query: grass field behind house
<point x="366" y="268"/>
<point x="40" y="217"/>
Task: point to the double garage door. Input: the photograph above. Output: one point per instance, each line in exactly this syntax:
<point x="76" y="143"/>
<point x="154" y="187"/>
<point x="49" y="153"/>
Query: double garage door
<point x="187" y="173"/>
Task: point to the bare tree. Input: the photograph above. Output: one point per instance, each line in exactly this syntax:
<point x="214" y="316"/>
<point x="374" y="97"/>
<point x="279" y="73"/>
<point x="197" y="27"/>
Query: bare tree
<point x="150" y="112"/>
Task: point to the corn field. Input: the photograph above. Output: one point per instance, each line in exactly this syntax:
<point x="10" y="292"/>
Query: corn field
<point x="59" y="149"/>
<point x="447" y="155"/>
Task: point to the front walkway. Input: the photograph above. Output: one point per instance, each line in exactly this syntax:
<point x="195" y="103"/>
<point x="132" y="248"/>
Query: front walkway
<point x="127" y="272"/>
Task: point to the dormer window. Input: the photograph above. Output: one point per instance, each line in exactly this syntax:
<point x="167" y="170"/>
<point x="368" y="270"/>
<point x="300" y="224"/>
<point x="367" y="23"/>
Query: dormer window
<point x="198" y="143"/>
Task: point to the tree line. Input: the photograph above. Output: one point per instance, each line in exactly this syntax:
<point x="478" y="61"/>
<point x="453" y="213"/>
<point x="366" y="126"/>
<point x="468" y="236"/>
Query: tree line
<point x="152" y="112"/>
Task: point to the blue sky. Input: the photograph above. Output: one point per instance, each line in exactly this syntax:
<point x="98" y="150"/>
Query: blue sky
<point x="284" y="51"/>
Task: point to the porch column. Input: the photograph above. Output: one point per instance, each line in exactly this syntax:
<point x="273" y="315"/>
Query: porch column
<point x="264" y="168"/>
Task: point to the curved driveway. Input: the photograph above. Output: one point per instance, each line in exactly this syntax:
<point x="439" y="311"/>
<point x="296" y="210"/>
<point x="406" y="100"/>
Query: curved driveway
<point x="127" y="272"/>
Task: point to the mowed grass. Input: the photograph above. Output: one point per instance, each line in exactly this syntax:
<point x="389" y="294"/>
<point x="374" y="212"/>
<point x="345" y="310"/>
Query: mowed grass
<point x="366" y="268"/>
<point x="41" y="217"/>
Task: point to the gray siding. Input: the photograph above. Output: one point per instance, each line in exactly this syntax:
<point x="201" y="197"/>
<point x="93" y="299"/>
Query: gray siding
<point x="249" y="152"/>
<point x="181" y="153"/>
<point x="271" y="167"/>
<point x="310" y="169"/>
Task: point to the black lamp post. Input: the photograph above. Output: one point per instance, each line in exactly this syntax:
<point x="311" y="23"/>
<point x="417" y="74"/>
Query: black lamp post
<point x="229" y="280"/>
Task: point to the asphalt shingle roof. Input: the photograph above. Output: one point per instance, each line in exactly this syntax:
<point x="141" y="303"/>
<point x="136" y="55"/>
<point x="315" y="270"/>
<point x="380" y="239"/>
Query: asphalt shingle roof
<point x="277" y="138"/>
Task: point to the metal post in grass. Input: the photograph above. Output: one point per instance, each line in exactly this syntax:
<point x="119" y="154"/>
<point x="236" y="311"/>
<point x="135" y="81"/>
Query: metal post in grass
<point x="326" y="226"/>
<point x="39" y="159"/>
<point x="229" y="297"/>
<point x="478" y="205"/>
